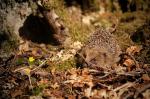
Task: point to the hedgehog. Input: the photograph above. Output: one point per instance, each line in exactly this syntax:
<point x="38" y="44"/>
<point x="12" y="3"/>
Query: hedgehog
<point x="101" y="50"/>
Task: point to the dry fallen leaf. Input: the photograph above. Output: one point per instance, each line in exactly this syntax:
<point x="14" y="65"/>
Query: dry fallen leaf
<point x="146" y="77"/>
<point x="55" y="85"/>
<point x="129" y="63"/>
<point x="43" y="81"/>
<point x="53" y="70"/>
<point x="146" y="94"/>
<point x="133" y="49"/>
<point x="23" y="70"/>
<point x="24" y="46"/>
<point x="47" y="93"/>
<point x="88" y="92"/>
<point x="76" y="45"/>
<point x="102" y="93"/>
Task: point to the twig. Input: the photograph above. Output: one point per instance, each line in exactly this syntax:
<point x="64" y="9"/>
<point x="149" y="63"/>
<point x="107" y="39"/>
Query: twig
<point x="141" y="89"/>
<point x="103" y="85"/>
<point x="43" y="63"/>
<point x="123" y="86"/>
<point x="19" y="69"/>
<point x="30" y="82"/>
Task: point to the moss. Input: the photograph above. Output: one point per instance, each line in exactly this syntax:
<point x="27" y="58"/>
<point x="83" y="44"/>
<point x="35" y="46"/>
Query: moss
<point x="9" y="46"/>
<point x="61" y="65"/>
<point x="52" y="4"/>
<point x="77" y="30"/>
<point x="38" y="90"/>
<point x="34" y="7"/>
<point x="66" y="64"/>
<point x="129" y="24"/>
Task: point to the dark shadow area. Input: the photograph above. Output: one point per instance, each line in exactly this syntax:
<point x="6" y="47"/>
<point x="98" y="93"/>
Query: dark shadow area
<point x="142" y="35"/>
<point x="133" y="6"/>
<point x="21" y="1"/>
<point x="128" y="6"/>
<point x="73" y="2"/>
<point x="3" y="38"/>
<point x="138" y="37"/>
<point x="124" y="5"/>
<point x="128" y="19"/>
<point x="86" y="5"/>
<point x="38" y="30"/>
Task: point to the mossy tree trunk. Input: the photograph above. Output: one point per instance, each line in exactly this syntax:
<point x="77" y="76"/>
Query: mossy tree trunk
<point x="10" y="22"/>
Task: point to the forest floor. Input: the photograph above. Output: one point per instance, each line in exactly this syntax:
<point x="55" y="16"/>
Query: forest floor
<point x="38" y="71"/>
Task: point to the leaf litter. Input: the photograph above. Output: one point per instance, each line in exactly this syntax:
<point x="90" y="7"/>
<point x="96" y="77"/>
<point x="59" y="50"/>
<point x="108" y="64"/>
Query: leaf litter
<point x="31" y="79"/>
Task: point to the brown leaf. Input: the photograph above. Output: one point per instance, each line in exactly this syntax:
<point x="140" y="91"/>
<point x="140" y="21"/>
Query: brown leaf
<point x="129" y="63"/>
<point x="55" y="85"/>
<point x="43" y="81"/>
<point x="133" y="49"/>
<point x="24" y="46"/>
<point x="146" y="94"/>
<point x="145" y="77"/>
